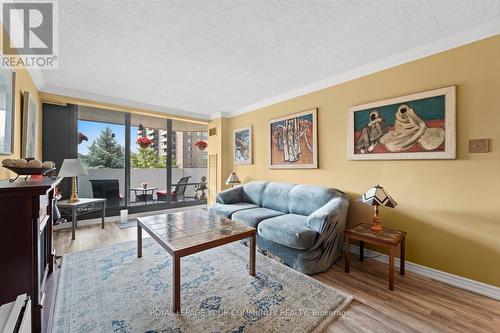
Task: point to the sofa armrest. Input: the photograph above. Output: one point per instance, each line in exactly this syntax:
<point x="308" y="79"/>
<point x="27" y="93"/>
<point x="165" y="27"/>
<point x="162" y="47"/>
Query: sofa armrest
<point x="230" y="196"/>
<point x="335" y="209"/>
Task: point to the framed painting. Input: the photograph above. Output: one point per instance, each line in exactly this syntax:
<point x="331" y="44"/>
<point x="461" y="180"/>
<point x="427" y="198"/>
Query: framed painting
<point x="418" y="126"/>
<point x="30" y="126"/>
<point x="7" y="109"/>
<point x="242" y="143"/>
<point x="293" y="141"/>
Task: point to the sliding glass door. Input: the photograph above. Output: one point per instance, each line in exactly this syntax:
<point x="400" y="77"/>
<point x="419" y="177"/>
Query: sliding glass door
<point x="190" y="172"/>
<point x="148" y="160"/>
<point x="101" y="148"/>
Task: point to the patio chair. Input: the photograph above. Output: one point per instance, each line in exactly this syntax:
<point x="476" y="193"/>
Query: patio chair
<point x="108" y="189"/>
<point x="177" y="193"/>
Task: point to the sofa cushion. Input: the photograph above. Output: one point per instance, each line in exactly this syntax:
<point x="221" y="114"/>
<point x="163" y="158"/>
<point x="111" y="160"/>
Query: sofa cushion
<point x="252" y="191"/>
<point x="289" y="230"/>
<point x="253" y="216"/>
<point x="276" y="196"/>
<point x="228" y="210"/>
<point x="305" y="199"/>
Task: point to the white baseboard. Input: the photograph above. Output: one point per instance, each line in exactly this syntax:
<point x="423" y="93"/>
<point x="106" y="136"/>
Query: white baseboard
<point x="451" y="279"/>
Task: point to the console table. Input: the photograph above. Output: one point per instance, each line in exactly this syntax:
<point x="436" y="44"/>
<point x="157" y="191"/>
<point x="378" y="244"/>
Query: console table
<point x="82" y="207"/>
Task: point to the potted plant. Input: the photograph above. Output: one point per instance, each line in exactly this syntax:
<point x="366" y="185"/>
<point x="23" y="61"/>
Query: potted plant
<point x="82" y="137"/>
<point x="144" y="142"/>
<point x="201" y="145"/>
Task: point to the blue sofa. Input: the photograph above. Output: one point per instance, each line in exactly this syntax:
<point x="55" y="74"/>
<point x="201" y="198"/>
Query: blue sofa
<point x="301" y="226"/>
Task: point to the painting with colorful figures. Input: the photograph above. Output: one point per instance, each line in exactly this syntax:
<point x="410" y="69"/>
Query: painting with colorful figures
<point x="293" y="141"/>
<point x="418" y="126"/>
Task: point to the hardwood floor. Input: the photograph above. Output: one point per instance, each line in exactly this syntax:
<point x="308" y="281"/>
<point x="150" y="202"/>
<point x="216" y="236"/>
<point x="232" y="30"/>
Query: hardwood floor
<point x="417" y="304"/>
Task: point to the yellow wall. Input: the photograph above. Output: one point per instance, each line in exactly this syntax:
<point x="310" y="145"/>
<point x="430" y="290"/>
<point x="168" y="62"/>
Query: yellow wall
<point x="450" y="209"/>
<point x="24" y="82"/>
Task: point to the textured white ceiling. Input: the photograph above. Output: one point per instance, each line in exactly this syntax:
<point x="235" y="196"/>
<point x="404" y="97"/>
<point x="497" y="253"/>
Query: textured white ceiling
<point x="221" y="56"/>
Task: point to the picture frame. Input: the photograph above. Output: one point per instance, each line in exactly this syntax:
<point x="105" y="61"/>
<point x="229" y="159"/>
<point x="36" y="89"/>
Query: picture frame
<point x="30" y="126"/>
<point x="7" y="108"/>
<point x="242" y="145"/>
<point x="416" y="126"/>
<point x="293" y="141"/>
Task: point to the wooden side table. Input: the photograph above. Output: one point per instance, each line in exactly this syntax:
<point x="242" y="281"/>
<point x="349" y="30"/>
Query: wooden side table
<point x="389" y="238"/>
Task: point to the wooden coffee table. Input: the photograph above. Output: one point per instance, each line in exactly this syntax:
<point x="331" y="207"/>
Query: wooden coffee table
<point x="185" y="233"/>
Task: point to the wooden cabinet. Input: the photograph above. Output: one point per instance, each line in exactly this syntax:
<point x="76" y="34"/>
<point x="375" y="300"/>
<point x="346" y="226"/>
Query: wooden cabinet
<point x="26" y="251"/>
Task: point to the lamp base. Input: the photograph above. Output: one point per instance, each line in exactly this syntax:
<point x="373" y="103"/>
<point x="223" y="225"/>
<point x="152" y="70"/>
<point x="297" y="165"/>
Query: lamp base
<point x="376" y="225"/>
<point x="74" y="194"/>
<point x="73" y="198"/>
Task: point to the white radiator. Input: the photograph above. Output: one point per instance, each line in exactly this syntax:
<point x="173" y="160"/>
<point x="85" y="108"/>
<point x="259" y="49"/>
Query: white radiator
<point x="15" y="317"/>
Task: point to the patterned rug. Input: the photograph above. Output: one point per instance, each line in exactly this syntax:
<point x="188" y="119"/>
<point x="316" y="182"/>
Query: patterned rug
<point x="110" y="290"/>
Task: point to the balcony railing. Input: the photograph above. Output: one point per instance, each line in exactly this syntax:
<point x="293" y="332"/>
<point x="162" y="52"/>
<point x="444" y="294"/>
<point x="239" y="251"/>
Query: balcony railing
<point x="153" y="177"/>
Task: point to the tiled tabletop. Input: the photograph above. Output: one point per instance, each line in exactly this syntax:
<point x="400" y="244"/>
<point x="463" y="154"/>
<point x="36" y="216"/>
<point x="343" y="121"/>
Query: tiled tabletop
<point x="190" y="228"/>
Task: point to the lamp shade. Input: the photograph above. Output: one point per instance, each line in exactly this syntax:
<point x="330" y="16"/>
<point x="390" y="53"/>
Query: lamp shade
<point x="72" y="167"/>
<point x="233" y="179"/>
<point x="377" y="196"/>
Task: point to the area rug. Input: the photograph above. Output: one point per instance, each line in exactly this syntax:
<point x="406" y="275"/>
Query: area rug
<point x="110" y="290"/>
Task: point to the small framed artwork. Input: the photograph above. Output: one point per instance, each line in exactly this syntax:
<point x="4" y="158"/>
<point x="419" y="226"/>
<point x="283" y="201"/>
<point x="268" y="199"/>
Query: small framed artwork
<point x="418" y="126"/>
<point x="242" y="143"/>
<point x="7" y="108"/>
<point x="293" y="141"/>
<point x="30" y="126"/>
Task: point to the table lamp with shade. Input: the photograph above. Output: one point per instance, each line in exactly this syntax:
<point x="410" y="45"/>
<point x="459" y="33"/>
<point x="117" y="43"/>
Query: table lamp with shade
<point x="233" y="179"/>
<point x="377" y="196"/>
<point x="73" y="167"/>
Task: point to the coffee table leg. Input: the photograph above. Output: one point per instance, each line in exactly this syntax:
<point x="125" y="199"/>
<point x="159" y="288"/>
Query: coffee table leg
<point x="252" y="256"/>
<point x="139" y="241"/>
<point x="176" y="272"/>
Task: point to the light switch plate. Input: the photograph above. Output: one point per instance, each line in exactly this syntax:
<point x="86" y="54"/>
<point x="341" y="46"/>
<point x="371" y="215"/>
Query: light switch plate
<point x="479" y="146"/>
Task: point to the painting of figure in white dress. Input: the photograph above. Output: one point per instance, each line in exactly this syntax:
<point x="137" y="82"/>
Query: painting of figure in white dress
<point x="419" y="126"/>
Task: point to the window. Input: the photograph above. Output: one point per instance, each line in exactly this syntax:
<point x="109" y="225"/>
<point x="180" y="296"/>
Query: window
<point x="147" y="178"/>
